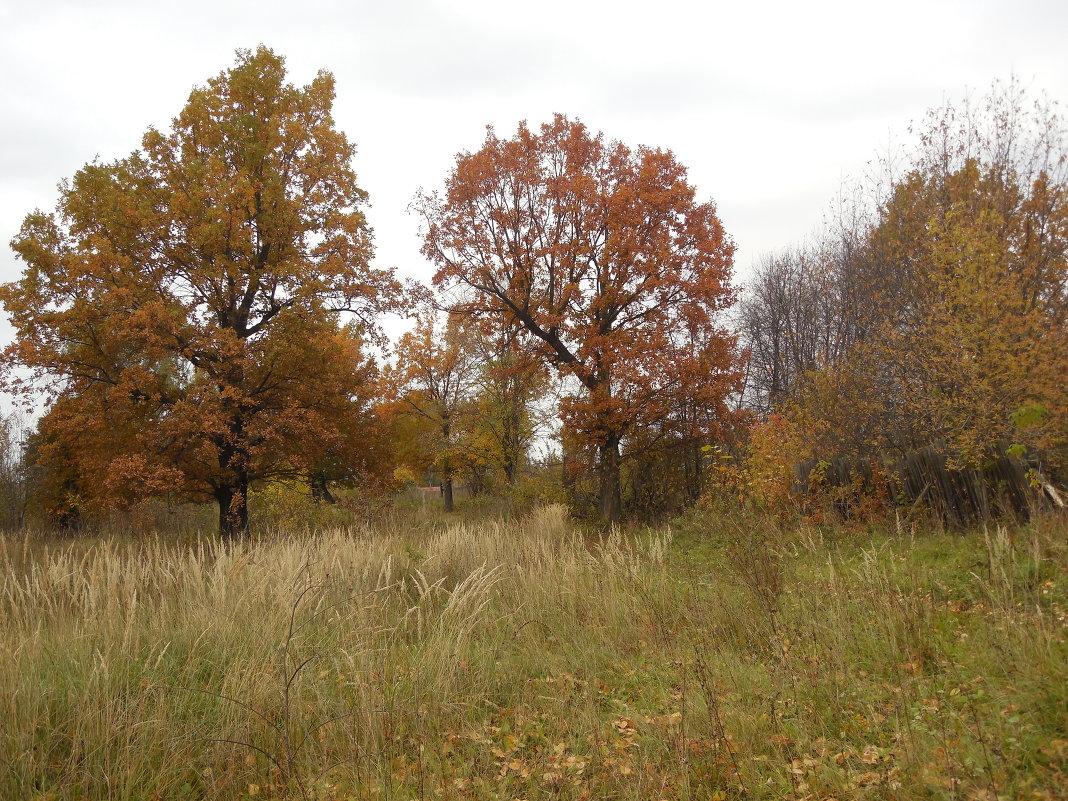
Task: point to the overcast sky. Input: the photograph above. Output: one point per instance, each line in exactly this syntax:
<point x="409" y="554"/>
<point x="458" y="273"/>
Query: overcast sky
<point x="770" y="105"/>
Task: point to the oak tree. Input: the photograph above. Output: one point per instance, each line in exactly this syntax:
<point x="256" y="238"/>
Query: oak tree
<point x="183" y="308"/>
<point x="602" y="254"/>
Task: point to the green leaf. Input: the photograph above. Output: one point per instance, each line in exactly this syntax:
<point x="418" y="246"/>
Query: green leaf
<point x="1029" y="415"/>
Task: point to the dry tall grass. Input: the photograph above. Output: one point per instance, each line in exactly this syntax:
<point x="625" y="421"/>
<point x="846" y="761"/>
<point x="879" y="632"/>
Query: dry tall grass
<point x="522" y="660"/>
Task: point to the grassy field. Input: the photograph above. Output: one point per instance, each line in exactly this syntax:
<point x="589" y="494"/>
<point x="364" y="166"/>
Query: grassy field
<point x="523" y="660"/>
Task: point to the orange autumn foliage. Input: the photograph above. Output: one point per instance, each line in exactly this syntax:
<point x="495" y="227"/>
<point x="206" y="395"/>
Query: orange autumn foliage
<point x="602" y="254"/>
<point x="180" y="310"/>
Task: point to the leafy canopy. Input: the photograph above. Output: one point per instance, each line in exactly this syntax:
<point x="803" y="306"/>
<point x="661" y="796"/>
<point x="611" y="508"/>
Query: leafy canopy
<point x="602" y="254"/>
<point x="180" y="309"/>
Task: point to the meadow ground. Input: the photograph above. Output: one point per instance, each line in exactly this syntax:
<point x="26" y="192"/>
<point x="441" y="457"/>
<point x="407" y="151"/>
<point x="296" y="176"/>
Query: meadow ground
<point x="717" y="660"/>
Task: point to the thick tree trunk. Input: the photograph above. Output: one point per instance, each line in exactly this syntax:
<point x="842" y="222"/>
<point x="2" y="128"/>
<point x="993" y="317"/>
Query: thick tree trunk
<point x="446" y="494"/>
<point x="611" y="505"/>
<point x="233" y="512"/>
<point x="320" y="491"/>
<point x="232" y="491"/>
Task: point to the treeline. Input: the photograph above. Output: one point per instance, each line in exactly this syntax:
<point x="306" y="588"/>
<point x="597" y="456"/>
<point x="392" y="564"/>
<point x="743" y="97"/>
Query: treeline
<point x="201" y="320"/>
<point x="932" y="313"/>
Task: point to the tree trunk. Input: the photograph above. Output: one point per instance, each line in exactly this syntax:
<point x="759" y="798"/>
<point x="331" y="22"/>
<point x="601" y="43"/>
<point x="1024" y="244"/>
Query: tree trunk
<point x="232" y="491"/>
<point x="510" y="442"/>
<point x="233" y="511"/>
<point x="446" y="468"/>
<point x="611" y="505"/>
<point x="320" y="492"/>
<point x="694" y="461"/>
<point x="446" y="494"/>
<point x="567" y="472"/>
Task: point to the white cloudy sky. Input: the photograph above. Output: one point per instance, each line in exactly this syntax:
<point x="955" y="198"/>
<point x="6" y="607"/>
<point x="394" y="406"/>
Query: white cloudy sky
<point x="770" y="104"/>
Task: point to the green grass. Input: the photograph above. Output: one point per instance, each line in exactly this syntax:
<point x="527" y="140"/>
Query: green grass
<point x="523" y="659"/>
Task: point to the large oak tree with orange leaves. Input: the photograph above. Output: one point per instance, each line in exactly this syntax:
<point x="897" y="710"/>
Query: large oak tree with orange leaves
<point x="604" y="256"/>
<point x="182" y="309"/>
